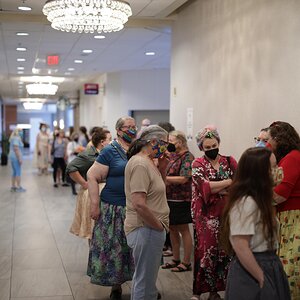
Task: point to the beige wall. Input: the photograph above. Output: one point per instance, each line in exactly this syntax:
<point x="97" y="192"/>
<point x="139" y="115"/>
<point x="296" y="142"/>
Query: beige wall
<point x="237" y="64"/>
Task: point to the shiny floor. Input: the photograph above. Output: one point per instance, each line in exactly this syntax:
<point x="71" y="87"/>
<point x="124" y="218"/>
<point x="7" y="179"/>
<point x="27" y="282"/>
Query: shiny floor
<point x="40" y="259"/>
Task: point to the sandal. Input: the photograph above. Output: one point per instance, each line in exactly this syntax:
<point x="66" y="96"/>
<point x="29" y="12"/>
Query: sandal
<point x="182" y="267"/>
<point x="169" y="265"/>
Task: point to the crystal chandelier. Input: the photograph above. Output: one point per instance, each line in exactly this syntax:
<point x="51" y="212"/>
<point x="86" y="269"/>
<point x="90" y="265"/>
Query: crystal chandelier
<point x="87" y="16"/>
<point x="41" y="89"/>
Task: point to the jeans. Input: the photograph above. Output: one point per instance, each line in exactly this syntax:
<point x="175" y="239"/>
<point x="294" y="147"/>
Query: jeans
<point x="147" y="245"/>
<point x="16" y="167"/>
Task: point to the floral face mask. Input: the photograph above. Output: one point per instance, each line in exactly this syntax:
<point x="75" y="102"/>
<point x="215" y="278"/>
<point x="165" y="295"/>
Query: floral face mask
<point x="159" y="148"/>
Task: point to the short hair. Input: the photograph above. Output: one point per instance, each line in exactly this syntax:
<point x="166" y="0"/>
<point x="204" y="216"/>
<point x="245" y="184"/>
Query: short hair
<point x="121" y="121"/>
<point x="98" y="136"/>
<point x="180" y="136"/>
<point x="166" y="126"/>
<point x="94" y="129"/>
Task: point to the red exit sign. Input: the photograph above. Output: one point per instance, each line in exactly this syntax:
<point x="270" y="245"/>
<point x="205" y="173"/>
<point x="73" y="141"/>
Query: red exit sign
<point x="52" y="60"/>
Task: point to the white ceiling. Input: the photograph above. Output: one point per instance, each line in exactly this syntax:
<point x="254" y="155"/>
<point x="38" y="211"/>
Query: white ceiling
<point x="149" y="29"/>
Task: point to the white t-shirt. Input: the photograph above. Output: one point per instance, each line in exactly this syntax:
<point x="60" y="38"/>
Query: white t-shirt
<point x="245" y="220"/>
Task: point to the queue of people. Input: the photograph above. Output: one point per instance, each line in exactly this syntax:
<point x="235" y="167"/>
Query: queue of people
<point x="139" y="187"/>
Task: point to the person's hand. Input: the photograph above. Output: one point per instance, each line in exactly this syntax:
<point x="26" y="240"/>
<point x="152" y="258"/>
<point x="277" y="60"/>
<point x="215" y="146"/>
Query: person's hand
<point x="261" y="282"/>
<point x="39" y="153"/>
<point x="95" y="211"/>
<point x="163" y="162"/>
<point x="85" y="185"/>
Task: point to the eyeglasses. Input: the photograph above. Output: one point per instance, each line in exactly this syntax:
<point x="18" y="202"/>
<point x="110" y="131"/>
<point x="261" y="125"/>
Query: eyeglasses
<point x="130" y="127"/>
<point x="257" y="140"/>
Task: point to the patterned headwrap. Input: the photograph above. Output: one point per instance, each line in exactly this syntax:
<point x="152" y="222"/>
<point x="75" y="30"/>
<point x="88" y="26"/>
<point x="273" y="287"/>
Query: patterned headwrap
<point x="209" y="131"/>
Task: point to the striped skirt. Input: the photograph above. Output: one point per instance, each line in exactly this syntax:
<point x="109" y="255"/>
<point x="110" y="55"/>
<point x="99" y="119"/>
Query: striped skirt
<point x="241" y="285"/>
<point x="110" y="259"/>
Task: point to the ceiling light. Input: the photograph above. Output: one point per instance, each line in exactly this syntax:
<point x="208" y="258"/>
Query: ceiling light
<point x="33" y="105"/>
<point x="150" y="53"/>
<point x="71" y="69"/>
<point x="78" y="61"/>
<point x="27" y="8"/>
<point x="20" y="72"/>
<point x="99" y="37"/>
<point x="41" y="89"/>
<point x="24" y="126"/>
<point x="21" y="59"/>
<point x="67" y="73"/>
<point x="42" y="79"/>
<point x="21" y="68"/>
<point x="87" y="51"/>
<point x="87" y="16"/>
<point x="22" y="33"/>
<point x="21" y="49"/>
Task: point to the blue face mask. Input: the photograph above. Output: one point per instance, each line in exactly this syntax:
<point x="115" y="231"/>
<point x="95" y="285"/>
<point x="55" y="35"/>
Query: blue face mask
<point x="260" y="144"/>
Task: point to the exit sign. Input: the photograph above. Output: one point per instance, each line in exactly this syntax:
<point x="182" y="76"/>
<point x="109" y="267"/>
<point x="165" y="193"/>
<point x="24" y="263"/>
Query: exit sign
<point x="52" y="60"/>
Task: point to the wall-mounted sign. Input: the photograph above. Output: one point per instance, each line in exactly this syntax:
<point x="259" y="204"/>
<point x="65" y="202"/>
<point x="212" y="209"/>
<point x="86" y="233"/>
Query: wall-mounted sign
<point x="52" y="60"/>
<point x="91" y="89"/>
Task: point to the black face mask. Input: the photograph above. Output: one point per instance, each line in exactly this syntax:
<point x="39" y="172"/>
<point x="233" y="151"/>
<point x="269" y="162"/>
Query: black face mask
<point x="212" y="154"/>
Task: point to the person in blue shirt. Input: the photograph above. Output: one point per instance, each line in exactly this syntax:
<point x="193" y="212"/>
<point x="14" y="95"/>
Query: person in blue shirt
<point x="15" y="155"/>
<point x="110" y="259"/>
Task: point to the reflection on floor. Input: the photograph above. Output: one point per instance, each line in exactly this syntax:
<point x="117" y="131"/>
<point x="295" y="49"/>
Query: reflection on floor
<point x="40" y="259"/>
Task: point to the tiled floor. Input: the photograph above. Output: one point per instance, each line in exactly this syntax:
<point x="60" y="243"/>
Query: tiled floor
<point x="40" y="259"/>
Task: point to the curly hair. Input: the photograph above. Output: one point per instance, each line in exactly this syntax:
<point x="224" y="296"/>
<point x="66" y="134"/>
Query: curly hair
<point x="286" y="137"/>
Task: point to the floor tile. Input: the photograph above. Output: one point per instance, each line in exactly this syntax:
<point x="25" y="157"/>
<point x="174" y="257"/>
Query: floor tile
<point x="4" y="289"/>
<point x="39" y="283"/>
<point x="5" y="267"/>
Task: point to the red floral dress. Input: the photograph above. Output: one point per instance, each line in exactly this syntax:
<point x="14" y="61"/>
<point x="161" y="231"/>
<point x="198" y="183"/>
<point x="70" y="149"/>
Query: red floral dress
<point x="210" y="262"/>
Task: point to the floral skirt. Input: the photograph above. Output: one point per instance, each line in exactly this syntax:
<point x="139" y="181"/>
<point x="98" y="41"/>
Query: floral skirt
<point x="110" y="258"/>
<point x="289" y="249"/>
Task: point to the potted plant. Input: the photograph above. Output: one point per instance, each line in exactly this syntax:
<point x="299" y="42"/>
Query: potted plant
<point x="5" y="149"/>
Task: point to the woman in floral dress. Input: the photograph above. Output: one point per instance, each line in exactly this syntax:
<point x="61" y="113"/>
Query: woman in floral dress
<point x="211" y="176"/>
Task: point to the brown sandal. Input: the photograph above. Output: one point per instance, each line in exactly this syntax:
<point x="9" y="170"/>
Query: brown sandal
<point x="182" y="267"/>
<point x="169" y="265"/>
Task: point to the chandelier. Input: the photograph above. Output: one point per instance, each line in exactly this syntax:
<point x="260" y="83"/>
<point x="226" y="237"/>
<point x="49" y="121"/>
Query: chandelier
<point x="41" y="89"/>
<point x="87" y="16"/>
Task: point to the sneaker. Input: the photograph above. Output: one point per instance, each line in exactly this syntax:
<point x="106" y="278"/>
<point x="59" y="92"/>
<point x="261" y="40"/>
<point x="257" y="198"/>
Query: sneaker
<point x="55" y="185"/>
<point x="13" y="189"/>
<point x="20" y="190"/>
<point x="65" y="184"/>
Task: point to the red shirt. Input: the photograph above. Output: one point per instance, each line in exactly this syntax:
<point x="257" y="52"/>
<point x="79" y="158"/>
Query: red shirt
<point x="289" y="188"/>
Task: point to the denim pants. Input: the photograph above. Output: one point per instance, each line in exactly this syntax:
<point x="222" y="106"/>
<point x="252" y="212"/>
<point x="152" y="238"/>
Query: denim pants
<point x="147" y="245"/>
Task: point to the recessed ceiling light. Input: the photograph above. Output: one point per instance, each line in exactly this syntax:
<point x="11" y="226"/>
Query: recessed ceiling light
<point x="78" y="61"/>
<point x="150" y="53"/>
<point x="27" y="8"/>
<point x="71" y="69"/>
<point x="87" y="51"/>
<point x="99" y="37"/>
<point x="21" y="49"/>
<point x="20" y="72"/>
<point x="21" y="68"/>
<point x="67" y="73"/>
<point x="22" y="33"/>
<point x="21" y="59"/>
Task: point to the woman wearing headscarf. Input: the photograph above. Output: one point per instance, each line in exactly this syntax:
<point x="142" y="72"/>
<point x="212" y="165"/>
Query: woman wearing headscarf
<point x="15" y="155"/>
<point x="147" y="211"/>
<point x="211" y="177"/>
<point x="110" y="259"/>
<point x="285" y="143"/>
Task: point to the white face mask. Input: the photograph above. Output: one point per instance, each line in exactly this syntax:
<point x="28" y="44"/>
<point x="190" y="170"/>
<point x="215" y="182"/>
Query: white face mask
<point x="44" y="129"/>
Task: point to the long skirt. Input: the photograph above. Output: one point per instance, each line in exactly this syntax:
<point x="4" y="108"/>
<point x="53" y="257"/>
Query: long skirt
<point x="110" y="258"/>
<point x="83" y="225"/>
<point x="289" y="248"/>
<point x="241" y="285"/>
<point x="210" y="262"/>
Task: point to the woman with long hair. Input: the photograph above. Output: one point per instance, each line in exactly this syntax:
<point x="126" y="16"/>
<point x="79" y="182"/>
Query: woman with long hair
<point x="249" y="228"/>
<point x="285" y="143"/>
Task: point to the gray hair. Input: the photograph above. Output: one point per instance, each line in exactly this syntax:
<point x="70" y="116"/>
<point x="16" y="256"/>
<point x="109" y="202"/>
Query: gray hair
<point x="121" y="121"/>
<point x="152" y="132"/>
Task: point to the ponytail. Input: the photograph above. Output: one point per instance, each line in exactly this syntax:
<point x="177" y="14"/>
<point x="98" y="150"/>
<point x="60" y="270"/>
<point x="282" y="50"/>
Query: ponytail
<point x="136" y="147"/>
